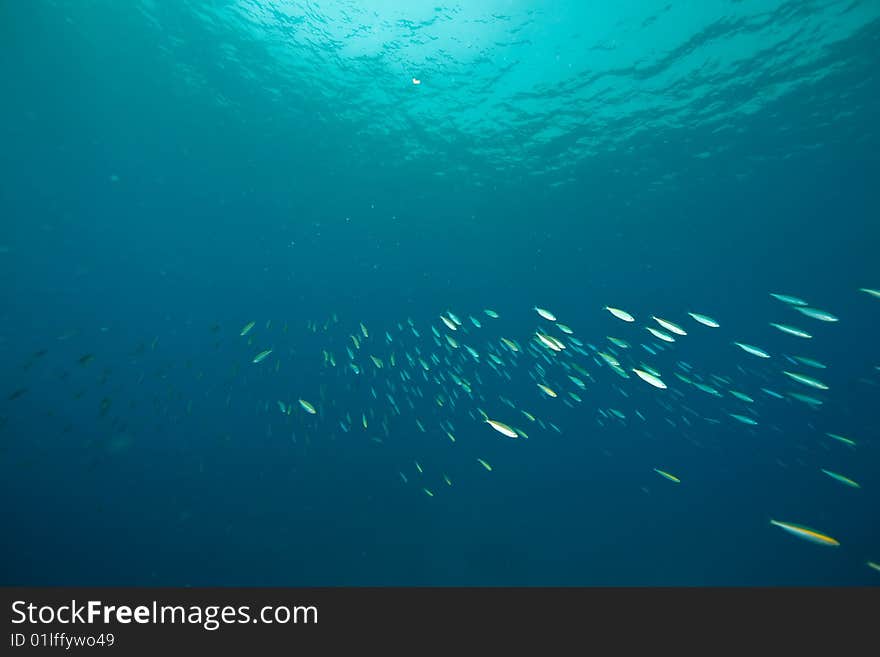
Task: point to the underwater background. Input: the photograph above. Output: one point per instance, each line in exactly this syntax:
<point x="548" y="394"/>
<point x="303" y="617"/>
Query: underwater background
<point x="363" y="180"/>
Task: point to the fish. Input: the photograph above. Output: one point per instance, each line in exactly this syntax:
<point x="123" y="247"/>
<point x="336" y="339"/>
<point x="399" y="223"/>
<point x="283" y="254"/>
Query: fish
<point x="810" y="362"/>
<point x="839" y="477"/>
<point x="449" y="323"/>
<point x="741" y="396"/>
<point x="247" y="328"/>
<point x="546" y="314"/>
<point x="812" y="401"/>
<point x="742" y="418"/>
<point x="501" y="428"/>
<point x="791" y="330"/>
<point x="871" y="564"/>
<point x="491" y="313"/>
<point x="842" y="439"/>
<point x="550" y="342"/>
<point x="485" y="465"/>
<point x="806" y="380"/>
<point x="669" y="326"/>
<point x="815" y="313"/>
<point x="660" y="334"/>
<point x="650" y="378"/>
<point x="754" y="351"/>
<point x="668" y="476"/>
<point x="705" y="320"/>
<point x="772" y="393"/>
<point x="620" y="314"/>
<point x="547" y="391"/>
<point x="565" y="329"/>
<point x="787" y="298"/>
<point x="307" y="406"/>
<point x="873" y="293"/>
<point x="806" y="533"/>
<point x="260" y="357"/>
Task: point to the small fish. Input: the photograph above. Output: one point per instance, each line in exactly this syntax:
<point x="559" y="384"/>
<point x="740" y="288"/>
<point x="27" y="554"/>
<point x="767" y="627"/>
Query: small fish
<point x="660" y="334"/>
<point x="620" y="314"/>
<point x="428" y="493"/>
<point x="806" y="380"/>
<point x="491" y="313"/>
<point x="705" y="320"/>
<point x="307" y="407"/>
<point x="791" y="330"/>
<point x="741" y="396"/>
<point x="742" y="418"/>
<point x="754" y="351"/>
<point x="502" y="428"/>
<point x="873" y="293"/>
<point x="650" y="378"/>
<point x="845" y="441"/>
<point x="485" y="465"/>
<point x="547" y="390"/>
<point x="806" y="533"/>
<point x="247" y="328"/>
<point x="669" y="326"/>
<point x="550" y="342"/>
<point x="260" y="357"/>
<point x="787" y="298"/>
<point x="839" y="477"/>
<point x="546" y="314"/>
<point x="871" y="564"/>
<point x="815" y="313"/>
<point x="810" y="362"/>
<point x="668" y="476"/>
<point x="812" y="401"/>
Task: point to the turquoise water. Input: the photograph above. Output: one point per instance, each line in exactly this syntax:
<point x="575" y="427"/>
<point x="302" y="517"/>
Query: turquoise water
<point x="175" y="170"/>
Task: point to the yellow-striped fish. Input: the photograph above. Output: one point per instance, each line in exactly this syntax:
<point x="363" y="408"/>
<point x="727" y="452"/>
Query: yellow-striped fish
<point x="668" y="476"/>
<point x="806" y="533"/>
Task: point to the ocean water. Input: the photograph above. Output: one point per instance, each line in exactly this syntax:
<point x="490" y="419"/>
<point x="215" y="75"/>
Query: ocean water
<point x="173" y="170"/>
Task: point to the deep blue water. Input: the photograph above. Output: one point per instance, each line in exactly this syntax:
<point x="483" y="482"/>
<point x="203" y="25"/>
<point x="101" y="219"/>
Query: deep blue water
<point x="174" y="170"/>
